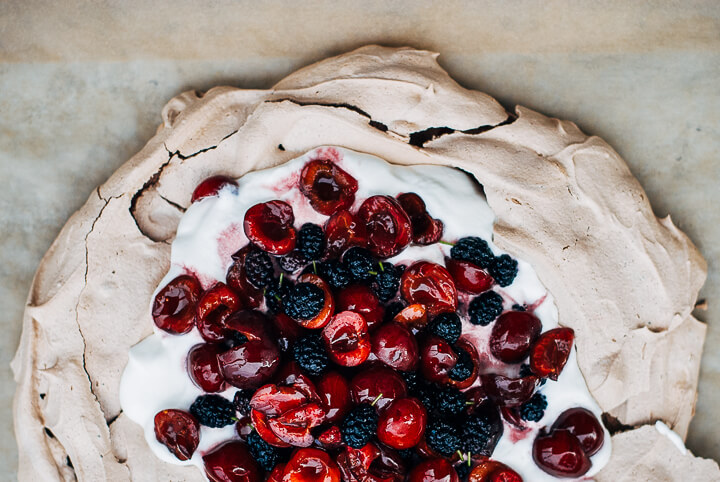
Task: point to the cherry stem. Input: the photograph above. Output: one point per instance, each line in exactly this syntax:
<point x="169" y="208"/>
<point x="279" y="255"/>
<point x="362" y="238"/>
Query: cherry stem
<point x="282" y="275"/>
<point x="461" y="455"/>
<point x="376" y="400"/>
<point x="469" y="454"/>
<point x="382" y="268"/>
<point x="314" y="267"/>
<point x="374" y="273"/>
<point x="446" y="243"/>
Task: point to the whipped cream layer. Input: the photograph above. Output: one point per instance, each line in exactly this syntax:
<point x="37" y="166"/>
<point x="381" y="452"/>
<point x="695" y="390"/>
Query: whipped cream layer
<point x="211" y="230"/>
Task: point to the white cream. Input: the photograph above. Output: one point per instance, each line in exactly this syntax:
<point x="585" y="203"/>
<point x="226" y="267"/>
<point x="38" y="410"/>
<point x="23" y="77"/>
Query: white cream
<point x="663" y="429"/>
<point x="156" y="377"/>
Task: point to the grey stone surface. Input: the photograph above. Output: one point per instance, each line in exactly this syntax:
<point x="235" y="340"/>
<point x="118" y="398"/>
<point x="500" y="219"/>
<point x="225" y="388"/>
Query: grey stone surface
<point x="81" y="90"/>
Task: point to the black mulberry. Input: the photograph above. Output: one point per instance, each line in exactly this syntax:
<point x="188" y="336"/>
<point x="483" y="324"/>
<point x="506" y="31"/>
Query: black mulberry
<point x="534" y="409"/>
<point x="360" y="263"/>
<point x="213" y="411"/>
<point x="485" y="308"/>
<point x="359" y="426"/>
<point x="311" y="241"/>
<point x="387" y="281"/>
<point x="309" y="352"/>
<point x="474" y="250"/>
<point x="443" y="437"/>
<point x="259" y="268"/>
<point x="303" y="301"/>
<point x="447" y="326"/>
<point x="504" y="269"/>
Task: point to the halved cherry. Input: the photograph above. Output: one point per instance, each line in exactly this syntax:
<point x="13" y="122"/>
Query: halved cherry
<point x="433" y="470"/>
<point x="179" y="431"/>
<point x="585" y="426"/>
<point x="493" y="471"/>
<point x="328" y="187"/>
<point x="468" y="277"/>
<point x="425" y="229"/>
<point x="551" y="352"/>
<point x="331" y="437"/>
<point x="213" y="309"/>
<point x="361" y="299"/>
<point x="431" y="285"/>
<point x="174" y="307"/>
<point x="466" y="353"/>
<point x="253" y="324"/>
<point x="346" y="339"/>
<point x="513" y="334"/>
<point x="328" y="308"/>
<point x="476" y="396"/>
<point x="379" y="385"/>
<point x="414" y="316"/>
<point x="311" y="465"/>
<point x="343" y="231"/>
<point x="260" y="422"/>
<point x="211" y="187"/>
<point x="250" y="296"/>
<point x="273" y="400"/>
<point x="560" y="453"/>
<point x="388" y="225"/>
<point x="395" y="345"/>
<point x="270" y="226"/>
<point x="388" y="466"/>
<point x="244" y="427"/>
<point x="509" y="392"/>
<point x="290" y="375"/>
<point x="355" y="463"/>
<point x="231" y="462"/>
<point x="251" y="364"/>
<point x="402" y="424"/>
<point x="293" y="427"/>
<point x="204" y="368"/>
<point x="437" y="358"/>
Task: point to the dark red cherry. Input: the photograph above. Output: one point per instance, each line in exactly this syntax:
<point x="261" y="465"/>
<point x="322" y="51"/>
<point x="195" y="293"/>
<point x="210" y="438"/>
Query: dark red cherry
<point x="551" y="352"/>
<point x="402" y="423"/>
<point x="270" y="226"/>
<point x="343" y="231"/>
<point x="560" y="453"/>
<point x="251" y="364"/>
<point x="211" y="187"/>
<point x="311" y="465"/>
<point x="328" y="187"/>
<point x="179" y="431"/>
<point x="388" y="225"/>
<point x="213" y="309"/>
<point x="244" y="427"/>
<point x="322" y="318"/>
<point x="425" y="229"/>
<point x="508" y="392"/>
<point x="493" y="471"/>
<point x="433" y="470"/>
<point x="437" y="358"/>
<point x="513" y="334"/>
<point x="468" y="277"/>
<point x="231" y="462"/>
<point x="431" y="285"/>
<point x="273" y="400"/>
<point x="394" y="345"/>
<point x="277" y="473"/>
<point x="377" y="384"/>
<point x="361" y="299"/>
<point x="174" y="307"/>
<point x="346" y="339"/>
<point x="204" y="368"/>
<point x="583" y="424"/>
<point x="250" y="296"/>
<point x="334" y="393"/>
<point x="355" y="463"/>
<point x="331" y="437"/>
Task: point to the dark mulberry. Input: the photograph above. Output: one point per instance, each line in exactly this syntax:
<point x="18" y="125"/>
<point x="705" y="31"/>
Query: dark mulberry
<point x="241" y="400"/>
<point x="334" y="273"/>
<point x="474" y="250"/>
<point x="443" y="437"/>
<point x="449" y="401"/>
<point x="311" y="241"/>
<point x="387" y="281"/>
<point x="534" y="409"/>
<point x="447" y="326"/>
<point x="504" y="269"/>
<point x="485" y="308"/>
<point x="481" y="430"/>
<point x="275" y="293"/>
<point x="303" y="301"/>
<point x="265" y="454"/>
<point x="292" y="262"/>
<point x="309" y="352"/>
<point x="463" y="367"/>
<point x="213" y="411"/>
<point x="259" y="268"/>
<point x="359" y="426"/>
<point x="360" y="263"/>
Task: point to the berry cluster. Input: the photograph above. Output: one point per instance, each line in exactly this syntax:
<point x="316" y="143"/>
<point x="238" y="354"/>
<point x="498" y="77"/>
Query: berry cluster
<point x="349" y="363"/>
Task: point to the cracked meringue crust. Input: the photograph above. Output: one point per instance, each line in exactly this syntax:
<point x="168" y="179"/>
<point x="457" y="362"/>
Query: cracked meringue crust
<point x="623" y="279"/>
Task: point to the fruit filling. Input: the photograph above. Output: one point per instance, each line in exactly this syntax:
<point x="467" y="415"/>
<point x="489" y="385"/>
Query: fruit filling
<point x="363" y="327"/>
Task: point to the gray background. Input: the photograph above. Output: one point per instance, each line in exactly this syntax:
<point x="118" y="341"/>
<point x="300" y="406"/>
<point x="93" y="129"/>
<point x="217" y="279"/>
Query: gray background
<point x="82" y="85"/>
